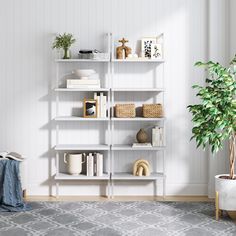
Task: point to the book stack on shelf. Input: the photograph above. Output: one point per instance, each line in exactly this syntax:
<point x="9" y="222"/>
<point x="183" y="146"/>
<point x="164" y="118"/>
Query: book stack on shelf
<point x="11" y="156"/>
<point x="84" y="79"/>
<point x="141" y="145"/>
<point x="82" y="83"/>
<point x="94" y="164"/>
<point x="101" y="104"/>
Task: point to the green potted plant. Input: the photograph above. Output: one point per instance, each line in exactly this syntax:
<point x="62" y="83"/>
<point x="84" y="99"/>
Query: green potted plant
<point x="64" y="42"/>
<point x="214" y="121"/>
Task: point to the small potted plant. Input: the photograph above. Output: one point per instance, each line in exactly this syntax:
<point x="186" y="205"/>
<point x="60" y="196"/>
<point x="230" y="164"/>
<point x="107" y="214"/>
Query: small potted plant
<point x="64" y="42"/>
<point x="214" y="121"/>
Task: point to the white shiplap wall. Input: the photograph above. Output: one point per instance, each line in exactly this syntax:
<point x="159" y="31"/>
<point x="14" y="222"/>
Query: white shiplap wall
<point x="26" y="62"/>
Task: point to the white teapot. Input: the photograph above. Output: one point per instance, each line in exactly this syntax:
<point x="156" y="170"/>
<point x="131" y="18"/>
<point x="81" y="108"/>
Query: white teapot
<point x="74" y="162"/>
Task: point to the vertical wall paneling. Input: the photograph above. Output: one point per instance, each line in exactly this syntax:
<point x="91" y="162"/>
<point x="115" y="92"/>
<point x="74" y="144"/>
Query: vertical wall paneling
<point x="28" y="70"/>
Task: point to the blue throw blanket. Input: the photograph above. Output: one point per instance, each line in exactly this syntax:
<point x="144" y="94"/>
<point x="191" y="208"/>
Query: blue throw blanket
<point x="11" y="198"/>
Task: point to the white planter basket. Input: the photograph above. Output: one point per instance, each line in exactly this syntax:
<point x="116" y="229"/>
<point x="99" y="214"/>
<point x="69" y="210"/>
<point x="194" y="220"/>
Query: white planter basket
<point x="226" y="189"/>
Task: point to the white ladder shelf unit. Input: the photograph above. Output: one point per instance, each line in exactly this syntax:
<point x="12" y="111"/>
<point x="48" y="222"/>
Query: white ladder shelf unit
<point x="109" y="147"/>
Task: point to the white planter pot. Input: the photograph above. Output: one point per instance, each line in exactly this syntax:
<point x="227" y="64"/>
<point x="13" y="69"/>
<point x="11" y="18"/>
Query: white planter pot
<point x="227" y="193"/>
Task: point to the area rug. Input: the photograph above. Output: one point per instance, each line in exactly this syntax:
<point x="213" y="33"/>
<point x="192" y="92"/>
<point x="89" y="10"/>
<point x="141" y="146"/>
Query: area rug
<point x="147" y="218"/>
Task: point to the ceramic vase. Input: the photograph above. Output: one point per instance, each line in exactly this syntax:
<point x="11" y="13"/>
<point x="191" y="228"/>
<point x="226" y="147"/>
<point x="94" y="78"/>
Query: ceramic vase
<point x="142" y="136"/>
<point x="66" y="53"/>
<point x="74" y="163"/>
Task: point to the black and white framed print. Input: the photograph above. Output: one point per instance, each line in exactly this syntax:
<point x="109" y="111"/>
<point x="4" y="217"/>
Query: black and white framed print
<point x="90" y="108"/>
<point x="156" y="51"/>
<point x="146" y="46"/>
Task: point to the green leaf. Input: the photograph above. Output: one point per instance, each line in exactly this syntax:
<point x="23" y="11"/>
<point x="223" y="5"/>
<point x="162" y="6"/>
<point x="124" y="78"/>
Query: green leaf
<point x="214" y="118"/>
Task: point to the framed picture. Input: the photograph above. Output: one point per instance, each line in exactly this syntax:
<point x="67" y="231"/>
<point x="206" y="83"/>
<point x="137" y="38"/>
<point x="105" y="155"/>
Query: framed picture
<point x="146" y="46"/>
<point x="156" y="51"/>
<point x="90" y="108"/>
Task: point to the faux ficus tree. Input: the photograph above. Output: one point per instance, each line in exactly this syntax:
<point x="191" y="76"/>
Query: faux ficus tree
<point x="214" y="118"/>
<point x="64" y="41"/>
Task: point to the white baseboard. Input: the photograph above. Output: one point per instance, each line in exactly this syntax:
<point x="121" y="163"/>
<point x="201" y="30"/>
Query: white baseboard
<point x="120" y="189"/>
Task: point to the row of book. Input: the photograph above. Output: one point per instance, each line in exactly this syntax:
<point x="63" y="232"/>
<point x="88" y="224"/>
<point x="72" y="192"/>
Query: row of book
<point x="94" y="164"/>
<point x="101" y="104"/>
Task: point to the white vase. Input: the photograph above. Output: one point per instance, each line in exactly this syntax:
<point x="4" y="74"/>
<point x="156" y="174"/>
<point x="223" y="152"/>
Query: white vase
<point x="74" y="163"/>
<point x="226" y="189"/>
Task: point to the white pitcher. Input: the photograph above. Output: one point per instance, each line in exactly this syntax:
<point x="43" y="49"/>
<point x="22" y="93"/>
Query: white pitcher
<point x="74" y="162"/>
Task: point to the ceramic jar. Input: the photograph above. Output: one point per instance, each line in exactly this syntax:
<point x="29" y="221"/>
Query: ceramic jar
<point x="74" y="163"/>
<point x="142" y="136"/>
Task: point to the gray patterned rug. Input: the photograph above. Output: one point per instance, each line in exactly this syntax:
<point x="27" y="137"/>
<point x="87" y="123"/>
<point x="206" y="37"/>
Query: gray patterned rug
<point x="116" y="218"/>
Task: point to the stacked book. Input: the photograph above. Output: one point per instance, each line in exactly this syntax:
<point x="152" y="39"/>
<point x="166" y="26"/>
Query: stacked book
<point x="141" y="145"/>
<point x="101" y="105"/>
<point x="94" y="164"/>
<point x="158" y="137"/>
<point x="83" y="83"/>
<point x="11" y="156"/>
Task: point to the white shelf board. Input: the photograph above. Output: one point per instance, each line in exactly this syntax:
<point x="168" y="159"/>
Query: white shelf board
<point x="64" y="176"/>
<point x="75" y="118"/>
<point x="130" y="176"/>
<point x="81" y="90"/>
<point x="138" y="89"/>
<point x="139" y="60"/>
<point x="80" y="147"/>
<point x="137" y="119"/>
<point x="81" y="60"/>
<point x="124" y="147"/>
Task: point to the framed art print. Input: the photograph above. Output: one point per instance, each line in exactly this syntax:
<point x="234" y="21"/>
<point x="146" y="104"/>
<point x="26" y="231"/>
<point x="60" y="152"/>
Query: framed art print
<point x="156" y="51"/>
<point x="90" y="108"/>
<point x="146" y="46"/>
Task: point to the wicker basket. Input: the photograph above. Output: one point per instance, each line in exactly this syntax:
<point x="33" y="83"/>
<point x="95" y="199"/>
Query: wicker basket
<point x="153" y="110"/>
<point x="125" y="110"/>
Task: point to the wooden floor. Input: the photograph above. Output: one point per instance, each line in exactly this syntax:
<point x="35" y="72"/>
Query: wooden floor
<point x="121" y="198"/>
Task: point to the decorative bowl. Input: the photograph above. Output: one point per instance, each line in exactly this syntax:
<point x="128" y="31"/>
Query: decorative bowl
<point x="85" y="73"/>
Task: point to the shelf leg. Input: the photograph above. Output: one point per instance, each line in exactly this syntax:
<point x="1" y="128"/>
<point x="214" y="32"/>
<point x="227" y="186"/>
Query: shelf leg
<point x="155" y="188"/>
<point x="108" y="189"/>
<point x="112" y="189"/>
<point x="217" y="206"/>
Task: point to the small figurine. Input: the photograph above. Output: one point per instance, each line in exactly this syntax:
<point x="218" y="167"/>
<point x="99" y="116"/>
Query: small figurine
<point x="141" y="167"/>
<point x="123" y="51"/>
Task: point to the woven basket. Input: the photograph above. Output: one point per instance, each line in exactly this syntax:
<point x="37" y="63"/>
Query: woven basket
<point x="153" y="110"/>
<point x="125" y="110"/>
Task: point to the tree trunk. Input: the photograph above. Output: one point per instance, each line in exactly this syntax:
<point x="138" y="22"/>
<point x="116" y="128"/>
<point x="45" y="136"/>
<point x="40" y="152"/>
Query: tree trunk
<point x="232" y="153"/>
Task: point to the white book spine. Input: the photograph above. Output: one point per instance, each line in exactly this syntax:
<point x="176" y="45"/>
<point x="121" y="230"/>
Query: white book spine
<point x="158" y="136"/>
<point x="101" y="105"/>
<point x="154" y="142"/>
<point x="83" y="81"/>
<point x="99" y="165"/>
<point x="82" y="86"/>
<point x="155" y="137"/>
<point x="90" y="165"/>
<point x="95" y="96"/>
<point x="162" y="143"/>
<point x="104" y="104"/>
<point x="95" y="163"/>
